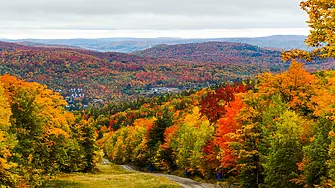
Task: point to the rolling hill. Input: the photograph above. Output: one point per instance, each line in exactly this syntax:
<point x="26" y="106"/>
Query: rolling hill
<point x="119" y="76"/>
<point x="218" y="52"/>
<point x="127" y="45"/>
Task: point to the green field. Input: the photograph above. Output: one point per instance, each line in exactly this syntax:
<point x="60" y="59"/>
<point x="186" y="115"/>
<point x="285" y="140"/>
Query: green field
<point x="111" y="176"/>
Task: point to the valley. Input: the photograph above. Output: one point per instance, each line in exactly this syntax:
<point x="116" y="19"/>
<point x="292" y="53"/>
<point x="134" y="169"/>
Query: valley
<point x="119" y="76"/>
<point x="167" y="94"/>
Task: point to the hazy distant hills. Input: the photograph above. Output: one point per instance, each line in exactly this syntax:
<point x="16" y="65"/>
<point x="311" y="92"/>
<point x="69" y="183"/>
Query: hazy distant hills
<point x="285" y="42"/>
<point x="127" y="45"/>
<point x="218" y="52"/>
<point x="35" y="44"/>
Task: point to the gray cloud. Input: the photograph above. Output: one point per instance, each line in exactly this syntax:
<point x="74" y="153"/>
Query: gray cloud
<point x="150" y="14"/>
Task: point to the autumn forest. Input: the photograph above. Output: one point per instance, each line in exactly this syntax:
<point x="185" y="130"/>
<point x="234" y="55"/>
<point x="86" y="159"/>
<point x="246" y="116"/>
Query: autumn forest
<point x="227" y="114"/>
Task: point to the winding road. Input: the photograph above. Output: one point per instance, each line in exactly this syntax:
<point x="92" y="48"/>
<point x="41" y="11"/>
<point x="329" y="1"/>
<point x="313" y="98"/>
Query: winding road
<point x="183" y="182"/>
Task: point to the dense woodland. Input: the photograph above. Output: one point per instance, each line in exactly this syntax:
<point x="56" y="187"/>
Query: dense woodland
<point x="115" y="76"/>
<point x="214" y="52"/>
<point x="38" y="138"/>
<point x="278" y="132"/>
<point x="276" y="129"/>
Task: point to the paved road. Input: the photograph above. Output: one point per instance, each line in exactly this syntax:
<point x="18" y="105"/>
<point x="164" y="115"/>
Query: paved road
<point x="183" y="182"/>
<point x="129" y="168"/>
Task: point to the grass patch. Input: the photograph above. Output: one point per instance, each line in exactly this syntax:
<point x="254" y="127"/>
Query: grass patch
<point x="111" y="176"/>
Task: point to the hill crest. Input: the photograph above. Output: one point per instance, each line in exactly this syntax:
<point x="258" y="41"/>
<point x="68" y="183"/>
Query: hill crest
<point x="218" y="52"/>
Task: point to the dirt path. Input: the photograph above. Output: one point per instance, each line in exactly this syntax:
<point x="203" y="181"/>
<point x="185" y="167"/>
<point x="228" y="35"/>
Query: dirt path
<point x="183" y="182"/>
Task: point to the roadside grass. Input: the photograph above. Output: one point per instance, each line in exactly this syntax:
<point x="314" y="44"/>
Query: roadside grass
<point x="111" y="176"/>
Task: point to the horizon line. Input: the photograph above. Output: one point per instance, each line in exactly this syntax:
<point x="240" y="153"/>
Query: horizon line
<point x="150" y="34"/>
<point x="181" y="38"/>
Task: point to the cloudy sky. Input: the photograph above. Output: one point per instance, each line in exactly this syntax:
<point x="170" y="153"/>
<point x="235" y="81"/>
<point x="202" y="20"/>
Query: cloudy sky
<point x="150" y="18"/>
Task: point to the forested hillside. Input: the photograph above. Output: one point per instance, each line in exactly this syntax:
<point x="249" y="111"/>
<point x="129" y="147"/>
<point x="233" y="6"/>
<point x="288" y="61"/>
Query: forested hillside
<point x="243" y="115"/>
<point x="236" y="53"/>
<point x="243" y="133"/>
<point x="276" y="130"/>
<point x="38" y="138"/>
<point x="118" y="76"/>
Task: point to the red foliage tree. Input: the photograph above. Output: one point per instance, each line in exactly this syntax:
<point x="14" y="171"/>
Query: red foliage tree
<point x="213" y="105"/>
<point x="226" y="128"/>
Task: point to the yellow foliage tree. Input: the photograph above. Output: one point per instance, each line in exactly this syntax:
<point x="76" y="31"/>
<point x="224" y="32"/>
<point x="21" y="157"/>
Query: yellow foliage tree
<point x="6" y="142"/>
<point x="296" y="86"/>
<point x="47" y="142"/>
<point x="322" y="34"/>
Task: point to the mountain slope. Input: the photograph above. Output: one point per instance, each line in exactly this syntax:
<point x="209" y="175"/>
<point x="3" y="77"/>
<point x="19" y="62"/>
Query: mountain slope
<point x="120" y="76"/>
<point x="219" y="52"/>
<point x="115" y="76"/>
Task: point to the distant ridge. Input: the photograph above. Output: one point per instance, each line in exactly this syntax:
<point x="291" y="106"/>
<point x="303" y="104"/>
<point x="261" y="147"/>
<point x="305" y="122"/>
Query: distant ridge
<point x="35" y="44"/>
<point x="128" y="45"/>
<point x="218" y="52"/>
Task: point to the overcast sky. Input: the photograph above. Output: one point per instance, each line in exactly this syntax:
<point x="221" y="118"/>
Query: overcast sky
<point x="149" y="18"/>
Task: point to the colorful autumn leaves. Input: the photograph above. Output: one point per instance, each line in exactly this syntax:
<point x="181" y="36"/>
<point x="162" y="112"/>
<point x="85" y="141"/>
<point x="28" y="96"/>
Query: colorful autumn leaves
<point x="178" y="136"/>
<point x="7" y="141"/>
<point x="38" y="138"/>
<point x="278" y="133"/>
